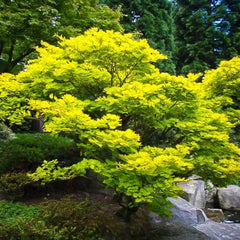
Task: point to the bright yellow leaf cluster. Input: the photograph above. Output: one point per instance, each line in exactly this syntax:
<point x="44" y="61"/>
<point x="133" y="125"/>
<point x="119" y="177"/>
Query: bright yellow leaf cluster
<point x="136" y="127"/>
<point x="13" y="105"/>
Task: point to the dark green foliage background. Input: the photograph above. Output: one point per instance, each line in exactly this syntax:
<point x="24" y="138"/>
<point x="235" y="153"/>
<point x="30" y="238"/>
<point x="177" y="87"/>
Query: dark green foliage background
<point x="195" y="35"/>
<point x="154" y="21"/>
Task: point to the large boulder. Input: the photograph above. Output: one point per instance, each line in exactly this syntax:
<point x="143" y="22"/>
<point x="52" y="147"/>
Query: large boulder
<point x="174" y="231"/>
<point x="194" y="192"/>
<point x="180" y="224"/>
<point x="186" y="213"/>
<point x="219" y="231"/>
<point x="189" y="222"/>
<point x="229" y="197"/>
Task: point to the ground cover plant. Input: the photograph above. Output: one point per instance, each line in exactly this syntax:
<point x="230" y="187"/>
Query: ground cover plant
<point x="63" y="219"/>
<point x="139" y="129"/>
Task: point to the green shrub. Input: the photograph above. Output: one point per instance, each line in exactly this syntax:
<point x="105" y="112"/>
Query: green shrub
<point x="53" y="220"/>
<point x="11" y="211"/>
<point x="27" y="151"/>
<point x="24" y="229"/>
<point x="13" y="185"/>
<point x="74" y="219"/>
<point x="66" y="219"/>
<point x="18" y="221"/>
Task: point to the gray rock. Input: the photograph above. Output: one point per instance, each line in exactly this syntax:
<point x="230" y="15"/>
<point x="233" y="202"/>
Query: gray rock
<point x="175" y="231"/>
<point x="190" y="223"/>
<point x="186" y="213"/>
<point x="229" y="198"/>
<point x="194" y="192"/>
<point x="219" y="231"/>
<point x="182" y="212"/>
<point x="180" y="225"/>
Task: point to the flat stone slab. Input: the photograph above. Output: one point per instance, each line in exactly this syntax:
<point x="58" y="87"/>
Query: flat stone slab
<point x="219" y="231"/>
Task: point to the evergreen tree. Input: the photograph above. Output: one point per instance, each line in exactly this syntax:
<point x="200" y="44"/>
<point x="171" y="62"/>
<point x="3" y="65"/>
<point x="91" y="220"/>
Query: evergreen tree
<point x="206" y="33"/>
<point x="233" y="7"/>
<point x="154" y="20"/>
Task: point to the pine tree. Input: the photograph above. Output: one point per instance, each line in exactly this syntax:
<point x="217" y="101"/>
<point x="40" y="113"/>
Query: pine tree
<point x="233" y="7"/>
<point x="206" y="33"/>
<point x="154" y="20"/>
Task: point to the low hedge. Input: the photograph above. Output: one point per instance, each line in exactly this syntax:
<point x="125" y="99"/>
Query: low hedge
<point x="27" y="151"/>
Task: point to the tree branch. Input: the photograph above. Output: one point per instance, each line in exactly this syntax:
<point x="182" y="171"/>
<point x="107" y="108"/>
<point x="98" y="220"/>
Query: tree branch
<point x="10" y="54"/>
<point x="131" y="70"/>
<point x="1" y="47"/>
<point x="21" y="57"/>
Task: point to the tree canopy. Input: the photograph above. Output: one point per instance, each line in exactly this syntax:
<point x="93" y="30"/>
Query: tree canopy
<point x="139" y="129"/>
<point x="221" y="86"/>
<point x="23" y="24"/>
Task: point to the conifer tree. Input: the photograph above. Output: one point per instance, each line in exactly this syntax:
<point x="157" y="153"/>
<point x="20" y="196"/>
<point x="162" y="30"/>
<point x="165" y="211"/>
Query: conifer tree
<point x="206" y="33"/>
<point x="154" y="20"/>
<point x="233" y="7"/>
